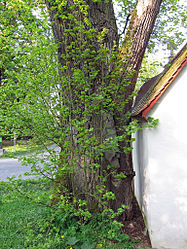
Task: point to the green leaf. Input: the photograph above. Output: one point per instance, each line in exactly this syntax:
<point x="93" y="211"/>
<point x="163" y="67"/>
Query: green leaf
<point x="72" y="241"/>
<point x="88" y="245"/>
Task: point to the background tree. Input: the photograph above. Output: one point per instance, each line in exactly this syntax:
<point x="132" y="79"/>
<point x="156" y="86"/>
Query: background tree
<point x="18" y="28"/>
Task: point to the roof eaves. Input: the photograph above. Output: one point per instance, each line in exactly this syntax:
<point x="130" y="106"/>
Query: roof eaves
<point x="160" y="84"/>
<point x="147" y="109"/>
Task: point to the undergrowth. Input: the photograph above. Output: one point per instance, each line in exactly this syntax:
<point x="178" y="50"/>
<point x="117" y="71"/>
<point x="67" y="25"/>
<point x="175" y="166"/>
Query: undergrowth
<point x="28" y="221"/>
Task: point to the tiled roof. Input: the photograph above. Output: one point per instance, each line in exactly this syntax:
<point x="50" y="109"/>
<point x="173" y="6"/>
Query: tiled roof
<point x="151" y="91"/>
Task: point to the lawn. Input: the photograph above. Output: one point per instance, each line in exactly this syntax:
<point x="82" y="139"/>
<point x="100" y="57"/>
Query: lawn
<point x="13" y="217"/>
<point x="22" y="148"/>
<point x="15" y="213"/>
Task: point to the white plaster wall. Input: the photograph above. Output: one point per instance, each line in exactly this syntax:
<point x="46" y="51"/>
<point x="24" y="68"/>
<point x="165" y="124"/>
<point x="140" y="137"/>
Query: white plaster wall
<point x="160" y="159"/>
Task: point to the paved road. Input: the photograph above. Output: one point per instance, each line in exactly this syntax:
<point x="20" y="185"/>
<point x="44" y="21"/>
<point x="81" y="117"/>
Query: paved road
<point x="10" y="167"/>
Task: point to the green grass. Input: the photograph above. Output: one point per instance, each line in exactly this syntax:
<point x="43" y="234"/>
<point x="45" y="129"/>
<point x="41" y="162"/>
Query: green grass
<point x="13" y="217"/>
<point x="15" y="213"/>
<point x="22" y="148"/>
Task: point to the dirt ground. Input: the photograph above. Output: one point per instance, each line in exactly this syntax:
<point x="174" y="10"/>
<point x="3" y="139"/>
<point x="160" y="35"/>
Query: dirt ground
<point x="137" y="231"/>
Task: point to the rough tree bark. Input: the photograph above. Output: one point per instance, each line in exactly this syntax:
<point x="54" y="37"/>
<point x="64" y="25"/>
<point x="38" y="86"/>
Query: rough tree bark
<point x="140" y="28"/>
<point x="101" y="15"/>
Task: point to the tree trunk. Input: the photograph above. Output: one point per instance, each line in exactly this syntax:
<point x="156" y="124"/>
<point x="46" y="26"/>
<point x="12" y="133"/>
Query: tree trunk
<point x="101" y="16"/>
<point x="132" y="52"/>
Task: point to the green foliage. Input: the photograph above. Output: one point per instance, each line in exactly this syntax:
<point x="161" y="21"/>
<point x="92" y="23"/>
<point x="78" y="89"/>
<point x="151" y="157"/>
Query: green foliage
<point x="148" y="70"/>
<point x="169" y="30"/>
<point x="66" y="231"/>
